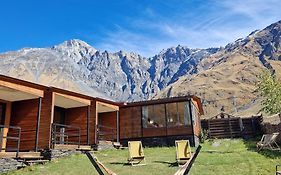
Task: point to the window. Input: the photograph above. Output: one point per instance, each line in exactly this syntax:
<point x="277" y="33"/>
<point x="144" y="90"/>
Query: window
<point x="153" y="116"/>
<point x="195" y="115"/>
<point x="178" y="114"/>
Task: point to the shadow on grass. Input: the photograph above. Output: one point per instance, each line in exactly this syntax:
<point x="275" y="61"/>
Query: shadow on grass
<point x="171" y="164"/>
<point x="120" y="163"/>
<point x="251" y="145"/>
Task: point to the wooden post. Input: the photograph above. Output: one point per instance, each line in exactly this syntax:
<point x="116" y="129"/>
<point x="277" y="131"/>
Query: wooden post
<point x="38" y="123"/>
<point x="230" y="130"/>
<point x="6" y="125"/>
<point x="88" y="124"/>
<point x="209" y="128"/>
<point x="241" y="126"/>
<point x="117" y="127"/>
<point x="96" y="124"/>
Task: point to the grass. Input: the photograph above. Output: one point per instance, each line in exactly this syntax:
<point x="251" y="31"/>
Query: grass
<point x="216" y="157"/>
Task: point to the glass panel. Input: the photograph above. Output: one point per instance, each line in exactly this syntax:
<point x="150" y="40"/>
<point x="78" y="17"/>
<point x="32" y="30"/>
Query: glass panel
<point x="183" y="111"/>
<point x="194" y="114"/>
<point x="159" y="115"/>
<point x="172" y="114"/>
<point x="153" y="116"/>
<point x="144" y="116"/>
<point x="178" y="114"/>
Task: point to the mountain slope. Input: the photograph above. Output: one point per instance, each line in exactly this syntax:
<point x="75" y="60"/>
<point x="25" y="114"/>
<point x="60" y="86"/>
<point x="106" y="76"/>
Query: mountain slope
<point x="123" y="76"/>
<point x="223" y="77"/>
<point x="228" y="78"/>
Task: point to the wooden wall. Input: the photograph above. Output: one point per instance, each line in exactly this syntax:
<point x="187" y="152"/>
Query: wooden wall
<point x="45" y="121"/>
<point x="92" y="123"/>
<point x="197" y="126"/>
<point x="109" y="120"/>
<point x="24" y="115"/>
<point x="78" y="117"/>
<point x="131" y="126"/>
<point x="130" y="122"/>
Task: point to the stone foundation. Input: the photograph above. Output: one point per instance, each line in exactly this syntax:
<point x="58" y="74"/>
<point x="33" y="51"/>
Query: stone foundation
<point x="9" y="164"/>
<point x="55" y="154"/>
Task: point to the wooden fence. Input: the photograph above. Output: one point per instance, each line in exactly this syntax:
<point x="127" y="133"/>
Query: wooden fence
<point x="232" y="127"/>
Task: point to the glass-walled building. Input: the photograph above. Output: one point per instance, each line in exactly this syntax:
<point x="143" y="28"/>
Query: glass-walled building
<point x="161" y="122"/>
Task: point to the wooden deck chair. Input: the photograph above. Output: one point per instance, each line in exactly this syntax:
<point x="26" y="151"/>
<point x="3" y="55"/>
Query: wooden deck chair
<point x="268" y="141"/>
<point x="183" y="151"/>
<point x="136" y="154"/>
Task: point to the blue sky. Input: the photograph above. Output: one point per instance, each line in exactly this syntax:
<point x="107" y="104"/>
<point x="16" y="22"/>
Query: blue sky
<point x="145" y="26"/>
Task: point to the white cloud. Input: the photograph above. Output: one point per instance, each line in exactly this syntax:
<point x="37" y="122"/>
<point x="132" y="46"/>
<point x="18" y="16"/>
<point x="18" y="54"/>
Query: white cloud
<point x="151" y="32"/>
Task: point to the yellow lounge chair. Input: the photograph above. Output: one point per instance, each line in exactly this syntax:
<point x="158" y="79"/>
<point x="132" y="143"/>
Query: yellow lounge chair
<point x="183" y="153"/>
<point x="136" y="154"/>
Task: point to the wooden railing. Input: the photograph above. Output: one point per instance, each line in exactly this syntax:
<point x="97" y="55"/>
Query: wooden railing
<point x="106" y="133"/>
<point x="65" y="134"/>
<point x="13" y="135"/>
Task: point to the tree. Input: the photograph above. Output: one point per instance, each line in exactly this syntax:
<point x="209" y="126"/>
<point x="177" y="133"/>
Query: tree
<point x="270" y="90"/>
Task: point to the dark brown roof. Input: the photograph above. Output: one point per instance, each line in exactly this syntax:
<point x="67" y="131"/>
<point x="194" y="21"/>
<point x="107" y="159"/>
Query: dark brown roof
<point x="166" y="100"/>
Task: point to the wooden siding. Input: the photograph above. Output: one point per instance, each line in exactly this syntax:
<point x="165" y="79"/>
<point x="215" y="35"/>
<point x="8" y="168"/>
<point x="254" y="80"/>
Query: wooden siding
<point x="45" y="121"/>
<point x="130" y="122"/>
<point x="78" y="117"/>
<point x="92" y="123"/>
<point x="24" y="115"/>
<point x="180" y="130"/>
<point x="109" y="121"/>
<point x="197" y="126"/>
<point x="131" y="126"/>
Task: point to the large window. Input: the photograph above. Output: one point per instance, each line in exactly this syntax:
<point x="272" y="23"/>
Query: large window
<point x="172" y="114"/>
<point x="178" y="114"/>
<point x="153" y="116"/>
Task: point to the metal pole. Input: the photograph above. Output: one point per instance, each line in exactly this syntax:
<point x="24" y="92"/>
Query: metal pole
<point x="18" y="143"/>
<point x="117" y="127"/>
<point x="38" y="123"/>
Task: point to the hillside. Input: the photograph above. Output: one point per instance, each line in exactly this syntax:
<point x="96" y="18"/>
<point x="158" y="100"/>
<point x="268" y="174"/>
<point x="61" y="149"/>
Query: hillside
<point x="228" y="78"/>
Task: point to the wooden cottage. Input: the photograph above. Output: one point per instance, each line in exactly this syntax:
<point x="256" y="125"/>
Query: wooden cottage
<point x="34" y="117"/>
<point x="155" y="122"/>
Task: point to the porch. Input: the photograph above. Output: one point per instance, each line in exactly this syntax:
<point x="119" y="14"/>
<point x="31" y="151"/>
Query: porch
<point x="20" y="108"/>
<point x="70" y="123"/>
<point x="107" y="124"/>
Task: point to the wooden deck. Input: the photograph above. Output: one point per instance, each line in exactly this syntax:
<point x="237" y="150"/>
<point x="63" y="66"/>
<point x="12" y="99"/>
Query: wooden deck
<point x="22" y="155"/>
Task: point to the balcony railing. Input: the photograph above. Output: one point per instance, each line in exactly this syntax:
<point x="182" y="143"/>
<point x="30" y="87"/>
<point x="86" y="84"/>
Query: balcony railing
<point x="11" y="139"/>
<point x="106" y="133"/>
<point x="65" y="134"/>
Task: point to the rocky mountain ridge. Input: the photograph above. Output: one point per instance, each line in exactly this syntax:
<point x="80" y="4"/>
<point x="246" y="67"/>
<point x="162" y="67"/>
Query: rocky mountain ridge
<point x="223" y="76"/>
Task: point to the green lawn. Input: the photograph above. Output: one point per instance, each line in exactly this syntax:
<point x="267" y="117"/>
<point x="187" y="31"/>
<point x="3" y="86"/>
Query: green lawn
<point x="216" y="157"/>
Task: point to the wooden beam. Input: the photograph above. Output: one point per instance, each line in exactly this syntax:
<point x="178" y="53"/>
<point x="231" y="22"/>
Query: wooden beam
<point x="6" y="125"/>
<point x="26" y="89"/>
<point x="96" y="125"/>
<point x="108" y="105"/>
<point x="78" y="99"/>
<point x="52" y="118"/>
